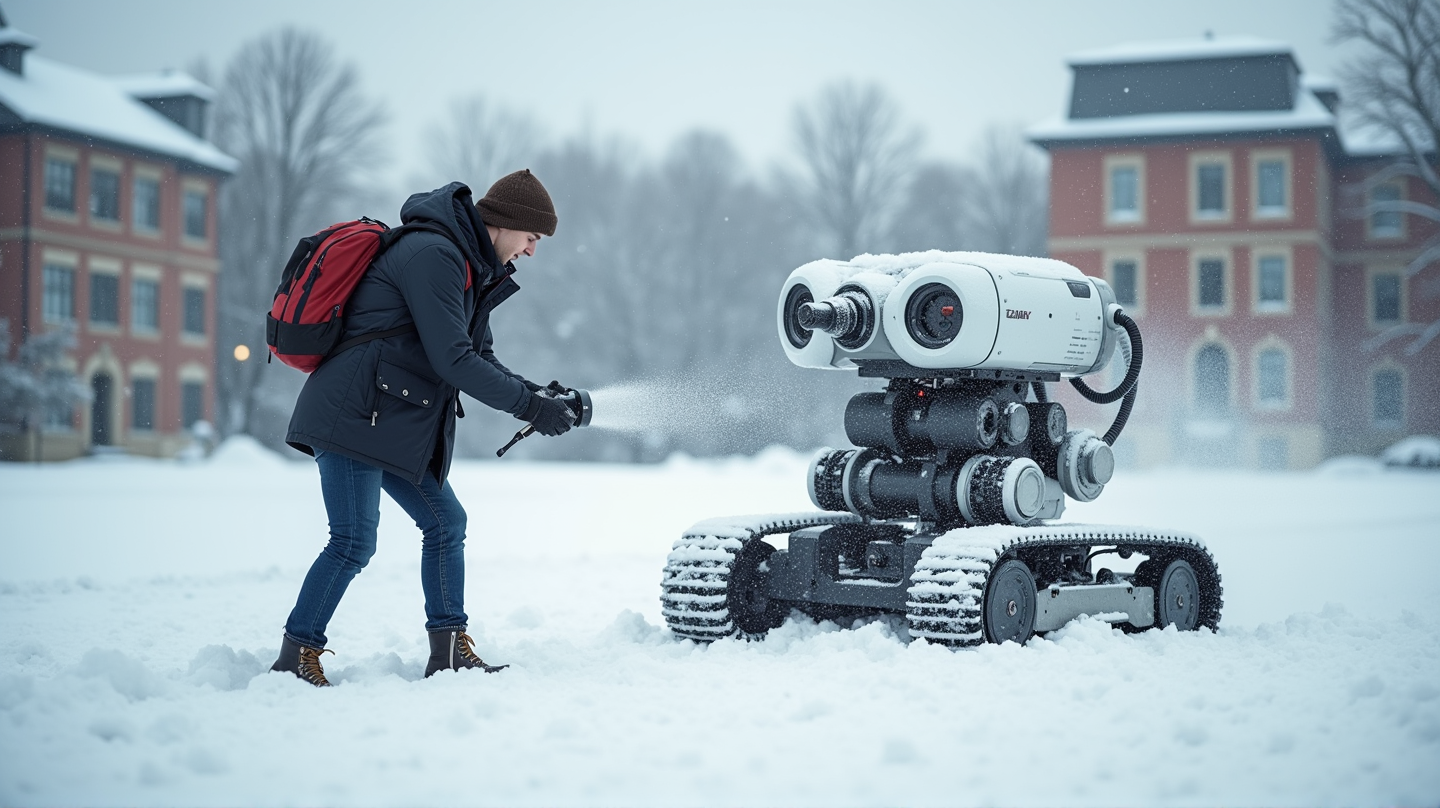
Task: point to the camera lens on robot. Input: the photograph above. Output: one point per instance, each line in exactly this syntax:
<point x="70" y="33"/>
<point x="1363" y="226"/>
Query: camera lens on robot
<point x="934" y="315"/>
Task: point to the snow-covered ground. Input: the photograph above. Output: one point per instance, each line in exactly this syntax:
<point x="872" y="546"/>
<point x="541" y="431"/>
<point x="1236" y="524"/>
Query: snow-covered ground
<point x="141" y="602"/>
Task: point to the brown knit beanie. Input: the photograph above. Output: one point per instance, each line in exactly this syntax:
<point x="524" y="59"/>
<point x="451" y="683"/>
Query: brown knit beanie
<point x="519" y="202"/>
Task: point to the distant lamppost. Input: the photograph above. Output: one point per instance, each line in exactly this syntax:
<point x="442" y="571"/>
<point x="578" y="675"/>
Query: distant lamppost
<point x="242" y="352"/>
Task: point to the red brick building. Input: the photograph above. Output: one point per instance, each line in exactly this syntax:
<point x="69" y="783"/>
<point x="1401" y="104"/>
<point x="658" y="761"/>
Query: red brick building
<point x="108" y="226"/>
<point x="1209" y="184"/>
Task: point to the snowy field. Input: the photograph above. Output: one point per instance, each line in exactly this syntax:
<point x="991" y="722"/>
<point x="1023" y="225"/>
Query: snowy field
<point x="141" y="603"/>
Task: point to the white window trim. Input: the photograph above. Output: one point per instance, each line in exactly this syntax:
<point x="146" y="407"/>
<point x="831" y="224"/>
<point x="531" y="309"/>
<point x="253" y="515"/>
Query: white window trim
<point x="189" y="185"/>
<point x="1370" y="321"/>
<point x="1138" y="256"/>
<point x="1286" y="308"/>
<point x="1271" y="342"/>
<point x="1136" y="161"/>
<point x="1376" y="423"/>
<point x="1227" y="263"/>
<point x="145" y="171"/>
<point x="1404" y="230"/>
<point x="1286" y="213"/>
<point x="1211" y="336"/>
<point x="71" y="156"/>
<point x="1224" y="159"/>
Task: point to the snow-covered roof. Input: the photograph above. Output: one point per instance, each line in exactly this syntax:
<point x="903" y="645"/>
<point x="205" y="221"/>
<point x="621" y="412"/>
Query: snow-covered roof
<point x="1308" y="113"/>
<point x="164" y="84"/>
<point x="64" y="97"/>
<point x="14" y="36"/>
<point x="1181" y="50"/>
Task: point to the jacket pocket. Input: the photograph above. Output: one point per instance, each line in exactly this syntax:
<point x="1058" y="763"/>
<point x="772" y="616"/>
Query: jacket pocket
<point x="406" y="385"/>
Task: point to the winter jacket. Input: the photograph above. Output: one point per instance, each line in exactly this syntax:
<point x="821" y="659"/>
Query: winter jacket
<point x="392" y="402"/>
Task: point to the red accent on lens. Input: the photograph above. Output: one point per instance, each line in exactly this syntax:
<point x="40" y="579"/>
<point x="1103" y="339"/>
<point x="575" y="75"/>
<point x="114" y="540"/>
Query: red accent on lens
<point x="947" y="310"/>
<point x="922" y="393"/>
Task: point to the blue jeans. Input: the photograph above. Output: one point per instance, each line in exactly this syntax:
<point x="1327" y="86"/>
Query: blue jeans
<point x="352" y="499"/>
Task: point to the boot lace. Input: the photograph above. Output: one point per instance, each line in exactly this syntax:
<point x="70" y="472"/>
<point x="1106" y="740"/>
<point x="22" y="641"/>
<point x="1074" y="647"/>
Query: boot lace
<point x="464" y="646"/>
<point x="310" y="668"/>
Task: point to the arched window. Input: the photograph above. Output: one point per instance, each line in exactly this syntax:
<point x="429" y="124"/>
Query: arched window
<point x="1212" y="380"/>
<point x="1272" y="378"/>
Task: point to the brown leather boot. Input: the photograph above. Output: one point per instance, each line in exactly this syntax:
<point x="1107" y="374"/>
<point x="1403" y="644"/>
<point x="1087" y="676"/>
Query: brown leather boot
<point x="453" y="650"/>
<point x="302" y="661"/>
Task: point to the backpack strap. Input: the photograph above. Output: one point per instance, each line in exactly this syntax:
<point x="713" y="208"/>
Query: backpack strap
<point x="364" y="338"/>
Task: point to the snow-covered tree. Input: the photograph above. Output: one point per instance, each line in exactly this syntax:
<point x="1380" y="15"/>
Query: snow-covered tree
<point x="36" y="383"/>
<point x="1393" y="86"/>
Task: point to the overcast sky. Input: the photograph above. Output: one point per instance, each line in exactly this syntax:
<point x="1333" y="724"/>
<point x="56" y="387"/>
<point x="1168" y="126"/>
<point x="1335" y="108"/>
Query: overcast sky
<point x="652" y="70"/>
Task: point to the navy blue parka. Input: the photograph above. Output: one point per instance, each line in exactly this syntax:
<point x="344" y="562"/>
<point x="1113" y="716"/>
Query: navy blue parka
<point x="392" y="402"/>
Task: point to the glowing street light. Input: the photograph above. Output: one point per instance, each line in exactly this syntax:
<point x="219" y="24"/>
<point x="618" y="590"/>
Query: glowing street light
<point x="242" y="352"/>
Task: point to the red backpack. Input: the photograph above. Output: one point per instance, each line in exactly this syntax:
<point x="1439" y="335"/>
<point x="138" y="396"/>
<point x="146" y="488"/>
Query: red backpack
<point x="306" y="320"/>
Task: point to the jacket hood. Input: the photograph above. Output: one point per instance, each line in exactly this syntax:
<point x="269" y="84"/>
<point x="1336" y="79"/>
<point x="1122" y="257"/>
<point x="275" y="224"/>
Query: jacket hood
<point x="453" y="209"/>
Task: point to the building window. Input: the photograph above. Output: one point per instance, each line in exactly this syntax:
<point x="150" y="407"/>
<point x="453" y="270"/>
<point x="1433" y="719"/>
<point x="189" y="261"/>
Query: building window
<point x="147" y="203"/>
<point x="195" y="311"/>
<point x="1212" y="381"/>
<point x="145" y="305"/>
<point x="1270" y="184"/>
<point x="192" y="403"/>
<point x="1272" y="378"/>
<point x="1271" y="294"/>
<point x="60" y="184"/>
<point x="105" y="195"/>
<point x="1125" y="280"/>
<point x="142" y="404"/>
<point x="195" y="214"/>
<point x="1124" y="194"/>
<point x="59" y="295"/>
<point x="1386" y="223"/>
<point x="1210" y="284"/>
<point x="1210" y="190"/>
<point x="104" y="299"/>
<point x="1389" y="397"/>
<point x="1385" y="297"/>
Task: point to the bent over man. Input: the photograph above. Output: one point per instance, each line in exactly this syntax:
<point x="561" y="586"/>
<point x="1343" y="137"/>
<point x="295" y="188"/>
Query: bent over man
<point x="381" y="415"/>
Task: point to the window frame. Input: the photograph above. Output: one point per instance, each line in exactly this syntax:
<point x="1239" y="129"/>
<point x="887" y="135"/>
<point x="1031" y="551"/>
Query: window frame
<point x="1287" y="401"/>
<point x="194" y="187"/>
<point x="1257" y="306"/>
<point x="140" y="273"/>
<point x="186" y="290"/>
<point x="1191" y="373"/>
<point x="1111" y="258"/>
<point x="103" y="267"/>
<point x="1227" y="276"/>
<point x="1371" y="273"/>
<point x="195" y="374"/>
<point x="1402" y="221"/>
<point x="1387" y="366"/>
<point x="1127" y="160"/>
<point x="1225" y="160"/>
<point x="147" y="173"/>
<point x="1286" y="158"/>
<point x="58" y="260"/>
<point x="137" y="377"/>
<point x="71" y="157"/>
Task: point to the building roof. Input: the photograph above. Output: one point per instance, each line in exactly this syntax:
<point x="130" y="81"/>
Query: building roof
<point x="1181" y="50"/>
<point x="164" y="84"/>
<point x="62" y="97"/>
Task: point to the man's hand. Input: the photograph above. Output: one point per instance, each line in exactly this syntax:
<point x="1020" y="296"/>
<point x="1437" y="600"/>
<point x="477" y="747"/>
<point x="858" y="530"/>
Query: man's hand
<point x="557" y="389"/>
<point x="549" y="416"/>
<point x="531" y="386"/>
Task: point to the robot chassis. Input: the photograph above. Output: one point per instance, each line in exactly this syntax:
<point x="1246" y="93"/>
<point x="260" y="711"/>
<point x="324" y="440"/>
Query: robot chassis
<point x="944" y="513"/>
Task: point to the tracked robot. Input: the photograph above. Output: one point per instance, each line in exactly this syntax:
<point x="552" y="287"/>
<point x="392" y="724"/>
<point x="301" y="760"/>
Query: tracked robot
<point x="947" y="510"/>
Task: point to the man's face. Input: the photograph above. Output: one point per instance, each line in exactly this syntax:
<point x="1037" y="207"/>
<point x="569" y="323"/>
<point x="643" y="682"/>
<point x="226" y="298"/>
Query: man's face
<point x="511" y="244"/>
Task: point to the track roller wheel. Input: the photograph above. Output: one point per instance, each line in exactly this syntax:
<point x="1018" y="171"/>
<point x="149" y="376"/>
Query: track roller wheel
<point x="747" y="595"/>
<point x="1009" y="610"/>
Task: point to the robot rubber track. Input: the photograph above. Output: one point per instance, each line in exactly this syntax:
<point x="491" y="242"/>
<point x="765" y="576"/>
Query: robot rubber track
<point x="715" y="582"/>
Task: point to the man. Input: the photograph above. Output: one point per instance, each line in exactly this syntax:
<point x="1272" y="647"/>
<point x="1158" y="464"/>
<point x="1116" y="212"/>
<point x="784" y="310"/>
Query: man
<point x="381" y="415"/>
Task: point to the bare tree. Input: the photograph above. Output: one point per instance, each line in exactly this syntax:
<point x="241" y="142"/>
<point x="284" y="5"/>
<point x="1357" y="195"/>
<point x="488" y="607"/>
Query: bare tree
<point x="1006" y="200"/>
<point x="479" y="142"/>
<point x="1393" y="87"/>
<point x="932" y="214"/>
<point x="304" y="132"/>
<point x="856" y="155"/>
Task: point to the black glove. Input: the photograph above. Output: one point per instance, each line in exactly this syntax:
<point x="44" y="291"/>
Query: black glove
<point x="531" y="386"/>
<point x="549" y="416"/>
<point x="557" y="389"/>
